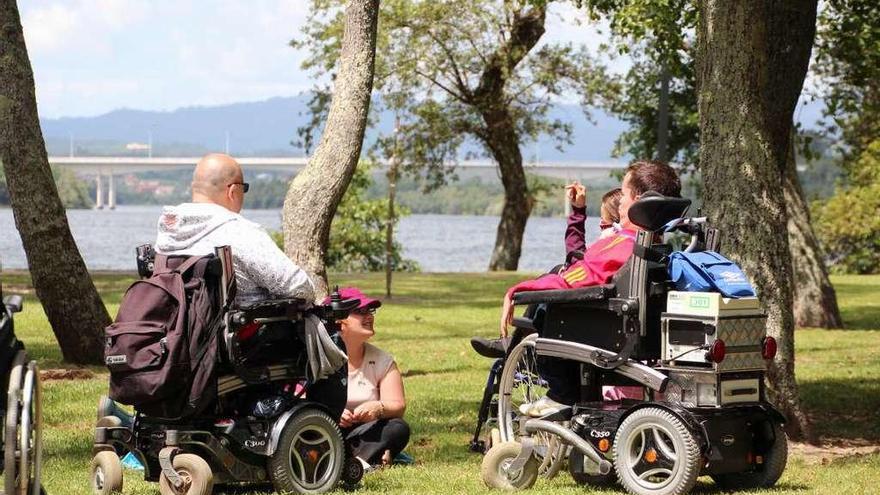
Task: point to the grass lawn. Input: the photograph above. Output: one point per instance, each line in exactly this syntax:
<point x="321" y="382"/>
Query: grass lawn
<point x="427" y="325"/>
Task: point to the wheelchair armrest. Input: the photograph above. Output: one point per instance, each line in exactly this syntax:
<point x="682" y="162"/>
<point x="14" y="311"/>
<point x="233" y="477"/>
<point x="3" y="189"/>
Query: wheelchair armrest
<point x="14" y="302"/>
<point x="272" y="308"/>
<point x="524" y="323"/>
<point x="586" y="294"/>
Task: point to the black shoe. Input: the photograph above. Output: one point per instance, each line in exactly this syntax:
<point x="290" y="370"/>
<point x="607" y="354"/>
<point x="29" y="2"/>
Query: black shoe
<point x="489" y="348"/>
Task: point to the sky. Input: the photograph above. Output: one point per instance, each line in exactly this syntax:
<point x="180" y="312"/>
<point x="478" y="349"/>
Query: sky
<point x="93" y="56"/>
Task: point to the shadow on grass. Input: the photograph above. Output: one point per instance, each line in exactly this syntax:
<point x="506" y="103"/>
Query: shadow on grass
<point x="703" y="487"/>
<point x="862" y="317"/>
<point x="843" y="408"/>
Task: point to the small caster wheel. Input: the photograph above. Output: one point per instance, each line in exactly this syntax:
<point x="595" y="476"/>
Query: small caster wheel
<point x="106" y="473"/>
<point x="496" y="472"/>
<point x="196" y="473"/>
<point x="352" y="473"/>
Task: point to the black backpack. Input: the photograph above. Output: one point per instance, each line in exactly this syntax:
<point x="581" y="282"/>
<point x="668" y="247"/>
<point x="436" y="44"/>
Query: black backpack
<point x="162" y="349"/>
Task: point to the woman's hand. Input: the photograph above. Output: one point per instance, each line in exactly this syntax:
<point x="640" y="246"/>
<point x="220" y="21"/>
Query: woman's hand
<point x="506" y="314"/>
<point x="368" y="411"/>
<point x="347" y="419"/>
<point x="577" y="194"/>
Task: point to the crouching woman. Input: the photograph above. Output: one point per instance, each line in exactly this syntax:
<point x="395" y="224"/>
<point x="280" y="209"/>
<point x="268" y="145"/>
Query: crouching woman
<point x="372" y="422"/>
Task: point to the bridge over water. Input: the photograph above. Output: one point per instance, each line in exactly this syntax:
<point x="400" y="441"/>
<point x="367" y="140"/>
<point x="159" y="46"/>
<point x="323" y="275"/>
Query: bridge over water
<point x="107" y="167"/>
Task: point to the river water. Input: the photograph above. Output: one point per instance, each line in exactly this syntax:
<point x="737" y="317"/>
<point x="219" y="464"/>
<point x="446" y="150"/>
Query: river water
<point x="439" y="243"/>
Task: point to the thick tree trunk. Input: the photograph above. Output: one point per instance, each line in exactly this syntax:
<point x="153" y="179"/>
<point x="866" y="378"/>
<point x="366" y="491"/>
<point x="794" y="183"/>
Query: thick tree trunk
<point x="501" y="136"/>
<point x="60" y="278"/>
<point x="504" y="144"/>
<point x="316" y="191"/>
<point x="753" y="56"/>
<point x="815" y="303"/>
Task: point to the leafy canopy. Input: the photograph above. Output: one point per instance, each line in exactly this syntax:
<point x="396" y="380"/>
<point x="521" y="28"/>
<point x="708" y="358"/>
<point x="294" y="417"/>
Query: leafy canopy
<point x="437" y="61"/>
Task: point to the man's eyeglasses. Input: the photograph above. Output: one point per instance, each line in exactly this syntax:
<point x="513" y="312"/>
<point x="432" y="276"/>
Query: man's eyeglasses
<point x="364" y="311"/>
<point x="244" y="186"/>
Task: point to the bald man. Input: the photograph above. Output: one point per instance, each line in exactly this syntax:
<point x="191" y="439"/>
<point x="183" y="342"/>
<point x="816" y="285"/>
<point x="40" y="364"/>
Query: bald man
<point x="262" y="271"/>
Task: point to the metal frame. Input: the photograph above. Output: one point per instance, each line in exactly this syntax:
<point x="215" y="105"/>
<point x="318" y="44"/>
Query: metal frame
<point x="23" y="446"/>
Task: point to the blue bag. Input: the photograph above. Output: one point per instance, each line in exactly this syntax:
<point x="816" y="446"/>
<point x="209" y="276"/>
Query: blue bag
<point x="708" y="271"/>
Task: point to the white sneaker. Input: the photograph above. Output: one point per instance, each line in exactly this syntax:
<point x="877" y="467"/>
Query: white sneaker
<point x="541" y="407"/>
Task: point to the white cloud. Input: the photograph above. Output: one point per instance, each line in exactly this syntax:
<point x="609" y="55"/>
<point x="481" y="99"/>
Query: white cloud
<point x="92" y="56"/>
<point x="81" y="26"/>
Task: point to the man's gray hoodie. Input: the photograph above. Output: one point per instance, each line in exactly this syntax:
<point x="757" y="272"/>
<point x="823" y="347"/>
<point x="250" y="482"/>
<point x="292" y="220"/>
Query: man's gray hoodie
<point x="262" y="271"/>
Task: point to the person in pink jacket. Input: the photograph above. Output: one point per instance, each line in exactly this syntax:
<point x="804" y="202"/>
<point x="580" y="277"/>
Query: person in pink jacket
<point x="601" y="260"/>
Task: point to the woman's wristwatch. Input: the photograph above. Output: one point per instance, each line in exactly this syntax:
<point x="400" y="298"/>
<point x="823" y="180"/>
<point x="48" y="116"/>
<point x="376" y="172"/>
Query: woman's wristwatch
<point x="381" y="413"/>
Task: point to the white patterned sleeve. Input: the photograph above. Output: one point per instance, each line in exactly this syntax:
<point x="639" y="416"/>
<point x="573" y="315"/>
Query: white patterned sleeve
<point x="268" y="267"/>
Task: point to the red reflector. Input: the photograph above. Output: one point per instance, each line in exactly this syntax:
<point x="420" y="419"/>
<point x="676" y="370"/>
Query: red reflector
<point x="717" y="352"/>
<point x="248" y="330"/>
<point x="768" y="348"/>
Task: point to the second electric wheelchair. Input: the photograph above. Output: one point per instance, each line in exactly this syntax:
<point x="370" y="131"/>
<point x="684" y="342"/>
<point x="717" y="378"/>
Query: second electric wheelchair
<point x="266" y="419"/>
<point x="698" y="360"/>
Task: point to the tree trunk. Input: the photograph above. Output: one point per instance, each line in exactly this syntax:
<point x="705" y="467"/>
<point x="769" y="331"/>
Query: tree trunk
<point x="316" y="191"/>
<point x="504" y="144"/>
<point x="502" y="138"/>
<point x="815" y="303"/>
<point x="60" y="277"/>
<point x="753" y="56"/>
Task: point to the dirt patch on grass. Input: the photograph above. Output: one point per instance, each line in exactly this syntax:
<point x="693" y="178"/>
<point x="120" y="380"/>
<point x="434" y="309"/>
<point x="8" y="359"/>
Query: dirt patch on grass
<point x="66" y="374"/>
<point x="831" y="450"/>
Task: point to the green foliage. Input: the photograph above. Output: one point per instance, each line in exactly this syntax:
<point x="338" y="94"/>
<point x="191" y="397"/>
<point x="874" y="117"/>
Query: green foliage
<point x="358" y="232"/>
<point x="658" y="36"/>
<point x="438" y="72"/>
<point x="73" y="191"/>
<point x="848" y="224"/>
<point x="848" y="68"/>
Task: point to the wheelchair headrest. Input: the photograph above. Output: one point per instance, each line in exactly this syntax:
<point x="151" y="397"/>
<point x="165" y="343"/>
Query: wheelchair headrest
<point x="653" y="210"/>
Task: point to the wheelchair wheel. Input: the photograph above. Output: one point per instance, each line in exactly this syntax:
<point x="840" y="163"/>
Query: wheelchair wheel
<point x="520" y="384"/>
<point x="23" y="447"/>
<point x="655" y="454"/>
<point x="106" y="473"/>
<point x="196" y="473"/>
<point x="496" y="472"/>
<point x="310" y="454"/>
<point x="770" y="470"/>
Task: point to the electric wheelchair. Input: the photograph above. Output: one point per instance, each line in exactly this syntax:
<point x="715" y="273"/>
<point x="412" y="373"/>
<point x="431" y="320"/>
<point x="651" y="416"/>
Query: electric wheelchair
<point x="268" y="419"/>
<point x="698" y="359"/>
<point x="21" y="441"/>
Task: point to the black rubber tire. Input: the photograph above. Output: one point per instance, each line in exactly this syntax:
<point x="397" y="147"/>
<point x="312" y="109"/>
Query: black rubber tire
<point x="775" y="461"/>
<point x="352" y="473"/>
<point x="198" y="472"/>
<point x="492" y="468"/>
<point x="685" y="458"/>
<point x="319" y="429"/>
<point x="584" y="479"/>
<point x="106" y="473"/>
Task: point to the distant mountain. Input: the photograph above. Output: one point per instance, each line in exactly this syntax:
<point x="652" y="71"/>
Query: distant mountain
<point x="267" y="128"/>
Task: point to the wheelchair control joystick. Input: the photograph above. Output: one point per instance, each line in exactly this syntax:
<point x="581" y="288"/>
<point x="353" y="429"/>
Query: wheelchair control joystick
<point x="145" y="256"/>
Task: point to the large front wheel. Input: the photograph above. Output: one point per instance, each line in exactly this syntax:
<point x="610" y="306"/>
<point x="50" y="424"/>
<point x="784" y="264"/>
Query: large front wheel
<point x="656" y="454"/>
<point x="310" y="454"/>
